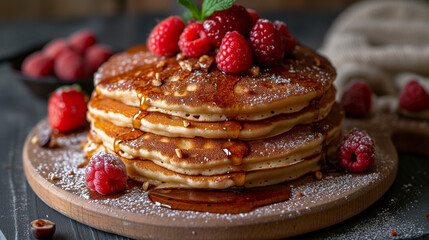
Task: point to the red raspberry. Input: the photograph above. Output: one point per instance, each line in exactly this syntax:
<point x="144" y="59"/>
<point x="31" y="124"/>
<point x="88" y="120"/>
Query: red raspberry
<point x="356" y="100"/>
<point x="106" y="174"/>
<point x="82" y="40"/>
<point x="219" y="23"/>
<point x="38" y="65"/>
<point x="164" y="38"/>
<point x="266" y="43"/>
<point x="288" y="40"/>
<point x="194" y="41"/>
<point x="413" y="97"/>
<point x="255" y="16"/>
<point x="97" y="55"/>
<point x="356" y="152"/>
<point x="55" y="47"/>
<point x="67" y="109"/>
<point x="234" y="54"/>
<point x="70" y="65"/>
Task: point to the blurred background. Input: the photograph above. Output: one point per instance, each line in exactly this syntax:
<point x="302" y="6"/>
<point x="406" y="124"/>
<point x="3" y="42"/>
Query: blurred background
<point x="60" y="9"/>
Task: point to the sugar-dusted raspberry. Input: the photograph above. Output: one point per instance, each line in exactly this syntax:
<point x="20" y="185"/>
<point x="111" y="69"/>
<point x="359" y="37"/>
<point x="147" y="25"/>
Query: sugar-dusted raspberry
<point x="194" y="41"/>
<point x="96" y="55"/>
<point x="357" y="98"/>
<point x="266" y="43"/>
<point x="82" y="40"/>
<point x="55" y="47"/>
<point x="356" y="152"/>
<point x="106" y="174"/>
<point x="287" y="39"/>
<point x="67" y="108"/>
<point x="255" y="16"/>
<point x="413" y="97"/>
<point x="38" y="65"/>
<point x="219" y="23"/>
<point x="70" y="65"/>
<point x="164" y="38"/>
<point x="234" y="54"/>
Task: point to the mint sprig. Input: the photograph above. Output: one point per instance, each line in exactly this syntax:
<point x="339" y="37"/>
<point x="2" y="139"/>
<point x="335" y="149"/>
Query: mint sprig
<point x="208" y="8"/>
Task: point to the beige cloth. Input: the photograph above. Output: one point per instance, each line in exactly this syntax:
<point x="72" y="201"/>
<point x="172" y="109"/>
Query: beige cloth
<point x="385" y="43"/>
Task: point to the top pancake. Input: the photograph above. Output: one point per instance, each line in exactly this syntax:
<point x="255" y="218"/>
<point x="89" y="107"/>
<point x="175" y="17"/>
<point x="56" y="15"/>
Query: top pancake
<point x="195" y="89"/>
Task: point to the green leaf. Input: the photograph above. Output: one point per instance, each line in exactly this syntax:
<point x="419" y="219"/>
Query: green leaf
<point x="193" y="10"/>
<point x="211" y="6"/>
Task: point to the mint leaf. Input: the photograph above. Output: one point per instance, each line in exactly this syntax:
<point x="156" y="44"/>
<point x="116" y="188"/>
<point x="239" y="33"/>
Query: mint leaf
<point x="193" y="10"/>
<point x="211" y="6"/>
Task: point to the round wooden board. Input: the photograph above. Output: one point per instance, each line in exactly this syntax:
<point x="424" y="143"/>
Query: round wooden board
<point x="338" y="196"/>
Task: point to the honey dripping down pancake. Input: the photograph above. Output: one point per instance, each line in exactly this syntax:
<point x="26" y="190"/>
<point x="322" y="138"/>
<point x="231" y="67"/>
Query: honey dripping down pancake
<point x="203" y="137"/>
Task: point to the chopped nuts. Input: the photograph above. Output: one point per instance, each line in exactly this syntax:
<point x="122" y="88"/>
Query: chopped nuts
<point x="186" y="123"/>
<point x="196" y="66"/>
<point x="185" y="66"/>
<point x="318" y="175"/>
<point x="157" y="76"/>
<point x="179" y="152"/>
<point x="53" y="177"/>
<point x="180" y="56"/>
<point x="318" y="62"/>
<point x="161" y="64"/>
<point x="156" y="82"/>
<point x="393" y="233"/>
<point x="300" y="194"/>
<point x="145" y="186"/>
<point x="204" y="58"/>
<point x="255" y="71"/>
<point x="34" y="140"/>
<point x="71" y="173"/>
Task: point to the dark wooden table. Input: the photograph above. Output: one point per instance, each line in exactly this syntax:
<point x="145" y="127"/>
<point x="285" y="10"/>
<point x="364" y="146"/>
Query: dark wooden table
<point x="403" y="208"/>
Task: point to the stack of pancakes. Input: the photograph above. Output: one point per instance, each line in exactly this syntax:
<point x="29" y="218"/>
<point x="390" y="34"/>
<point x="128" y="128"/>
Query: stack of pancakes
<point x="181" y="122"/>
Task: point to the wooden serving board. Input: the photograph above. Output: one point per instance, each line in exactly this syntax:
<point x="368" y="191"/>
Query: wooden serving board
<point x="338" y="196"/>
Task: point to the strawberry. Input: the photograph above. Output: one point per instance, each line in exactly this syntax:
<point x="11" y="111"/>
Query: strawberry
<point x="67" y="109"/>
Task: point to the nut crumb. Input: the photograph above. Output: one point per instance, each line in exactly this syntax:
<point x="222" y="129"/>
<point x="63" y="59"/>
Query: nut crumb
<point x="255" y="71"/>
<point x="196" y="66"/>
<point x="157" y="76"/>
<point x="179" y="152"/>
<point x="53" y="177"/>
<point x="156" y="82"/>
<point x="180" y="56"/>
<point x="318" y="175"/>
<point x="318" y="62"/>
<point x="185" y="66"/>
<point x="161" y="64"/>
<point x="54" y="144"/>
<point x="35" y="140"/>
<point x="71" y="173"/>
<point x="186" y="123"/>
<point x="300" y="194"/>
<point x="145" y="186"/>
<point x="393" y="233"/>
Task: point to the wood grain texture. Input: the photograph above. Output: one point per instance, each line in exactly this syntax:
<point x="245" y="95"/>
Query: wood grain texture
<point x="280" y="220"/>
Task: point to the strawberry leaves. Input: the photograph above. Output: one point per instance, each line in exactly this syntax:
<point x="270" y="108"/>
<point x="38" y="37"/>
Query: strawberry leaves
<point x="208" y="8"/>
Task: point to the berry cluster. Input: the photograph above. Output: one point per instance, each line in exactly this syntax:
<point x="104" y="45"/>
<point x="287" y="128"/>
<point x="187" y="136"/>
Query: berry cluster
<point x="240" y="34"/>
<point x="70" y="59"/>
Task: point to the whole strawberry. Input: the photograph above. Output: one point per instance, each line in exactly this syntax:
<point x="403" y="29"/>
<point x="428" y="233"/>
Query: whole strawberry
<point x="266" y="43"/>
<point x="219" y="23"/>
<point x="67" y="109"/>
<point x="164" y="38"/>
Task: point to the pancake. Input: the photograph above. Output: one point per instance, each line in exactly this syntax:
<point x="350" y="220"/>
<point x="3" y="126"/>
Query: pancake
<point x="192" y="88"/>
<point x="162" y="124"/>
<point x="202" y="156"/>
<point x="147" y="171"/>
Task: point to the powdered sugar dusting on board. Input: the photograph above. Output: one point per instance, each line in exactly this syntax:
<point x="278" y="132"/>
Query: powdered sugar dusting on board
<point x="334" y="186"/>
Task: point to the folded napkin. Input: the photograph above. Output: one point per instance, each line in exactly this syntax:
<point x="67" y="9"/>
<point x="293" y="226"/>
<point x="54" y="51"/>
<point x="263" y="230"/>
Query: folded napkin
<point x="383" y="42"/>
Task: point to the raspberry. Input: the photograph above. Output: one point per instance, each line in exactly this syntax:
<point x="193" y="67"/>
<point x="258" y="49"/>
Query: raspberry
<point x="234" y="54"/>
<point x="356" y="100"/>
<point x="38" y="65"/>
<point x="164" y="38"/>
<point x="219" y="23"/>
<point x="82" y="40"/>
<point x="97" y="55"/>
<point x="356" y="152"/>
<point x="266" y="43"/>
<point x="194" y="41"/>
<point x="255" y="16"/>
<point x="287" y="39"/>
<point x="413" y="97"/>
<point x="70" y="66"/>
<point x="55" y="47"/>
<point x="106" y="174"/>
<point x="67" y="109"/>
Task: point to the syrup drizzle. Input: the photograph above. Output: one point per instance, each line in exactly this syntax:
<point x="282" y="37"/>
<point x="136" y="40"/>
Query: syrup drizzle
<point x="220" y="201"/>
<point x="234" y="127"/>
<point x="131" y="135"/>
<point x="235" y="151"/>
